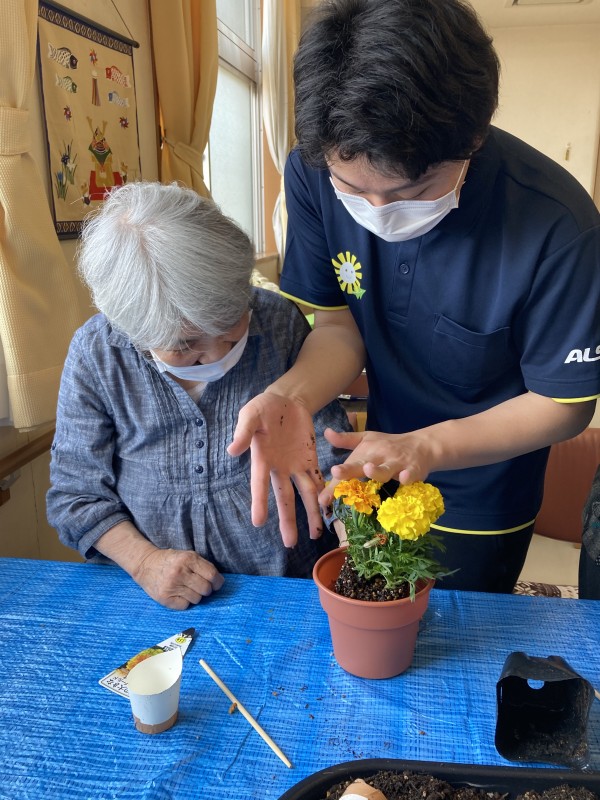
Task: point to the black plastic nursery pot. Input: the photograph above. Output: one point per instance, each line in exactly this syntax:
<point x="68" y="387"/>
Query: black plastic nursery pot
<point x="506" y="780"/>
<point x="543" y="708"/>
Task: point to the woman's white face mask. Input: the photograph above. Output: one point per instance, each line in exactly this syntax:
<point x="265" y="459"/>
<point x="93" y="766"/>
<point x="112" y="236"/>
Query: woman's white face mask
<point x="403" y="219"/>
<point x="206" y="373"/>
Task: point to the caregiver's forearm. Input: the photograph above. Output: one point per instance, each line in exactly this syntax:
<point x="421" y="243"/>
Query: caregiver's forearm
<point x="332" y="356"/>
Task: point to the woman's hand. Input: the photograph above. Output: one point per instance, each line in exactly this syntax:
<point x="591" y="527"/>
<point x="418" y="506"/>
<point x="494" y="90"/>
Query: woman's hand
<point x="280" y="434"/>
<point x="174" y="578"/>
<point x="177" y="578"/>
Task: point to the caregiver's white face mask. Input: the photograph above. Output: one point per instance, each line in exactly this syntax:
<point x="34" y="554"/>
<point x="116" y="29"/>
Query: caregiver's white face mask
<point x="403" y="219"/>
<point x="206" y="373"/>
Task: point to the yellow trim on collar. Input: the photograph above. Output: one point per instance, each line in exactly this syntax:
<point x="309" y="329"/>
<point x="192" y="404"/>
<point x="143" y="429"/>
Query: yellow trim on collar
<point x="312" y="305"/>
<point x="483" y="533"/>
<point x="575" y="399"/>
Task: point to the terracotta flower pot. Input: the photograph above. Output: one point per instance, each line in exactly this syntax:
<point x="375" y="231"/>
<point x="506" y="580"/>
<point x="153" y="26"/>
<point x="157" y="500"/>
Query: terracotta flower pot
<point x="370" y="639"/>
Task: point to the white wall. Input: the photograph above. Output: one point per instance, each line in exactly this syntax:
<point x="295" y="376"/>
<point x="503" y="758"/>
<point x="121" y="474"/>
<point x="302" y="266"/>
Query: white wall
<point x="550" y="92"/>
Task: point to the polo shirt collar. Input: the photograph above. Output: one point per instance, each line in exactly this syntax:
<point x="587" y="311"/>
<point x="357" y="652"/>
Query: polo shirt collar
<point x="477" y="191"/>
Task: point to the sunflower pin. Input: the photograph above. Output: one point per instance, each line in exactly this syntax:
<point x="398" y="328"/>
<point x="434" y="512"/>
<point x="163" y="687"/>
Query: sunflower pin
<point x="349" y="274"/>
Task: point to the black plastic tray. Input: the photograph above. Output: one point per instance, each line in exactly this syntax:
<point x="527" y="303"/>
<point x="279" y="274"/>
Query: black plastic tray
<point x="507" y="780"/>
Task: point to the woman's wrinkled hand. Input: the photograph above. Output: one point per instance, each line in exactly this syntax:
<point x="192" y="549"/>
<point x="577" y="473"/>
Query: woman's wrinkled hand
<point x="177" y="578"/>
<point x="280" y="434"/>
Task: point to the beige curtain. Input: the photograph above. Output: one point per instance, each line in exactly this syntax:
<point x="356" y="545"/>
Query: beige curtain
<point x="38" y="301"/>
<point x="184" y="42"/>
<point x="281" y="31"/>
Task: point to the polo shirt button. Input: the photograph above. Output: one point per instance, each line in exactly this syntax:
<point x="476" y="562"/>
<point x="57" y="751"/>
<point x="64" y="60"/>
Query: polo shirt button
<point x="199" y="469"/>
<point x="199" y="422"/>
<point x="199" y="443"/>
<point x="404" y="269"/>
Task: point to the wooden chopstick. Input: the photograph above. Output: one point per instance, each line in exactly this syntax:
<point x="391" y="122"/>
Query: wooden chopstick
<point x="262" y="733"/>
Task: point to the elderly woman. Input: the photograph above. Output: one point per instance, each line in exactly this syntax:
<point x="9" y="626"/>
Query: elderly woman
<point x="150" y="396"/>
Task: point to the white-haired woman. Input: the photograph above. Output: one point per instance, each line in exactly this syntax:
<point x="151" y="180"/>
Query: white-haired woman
<point x="150" y="396"/>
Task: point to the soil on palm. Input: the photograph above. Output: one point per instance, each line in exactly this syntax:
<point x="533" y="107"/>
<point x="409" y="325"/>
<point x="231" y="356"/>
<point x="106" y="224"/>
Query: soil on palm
<point x="349" y="584"/>
<point x="412" y="786"/>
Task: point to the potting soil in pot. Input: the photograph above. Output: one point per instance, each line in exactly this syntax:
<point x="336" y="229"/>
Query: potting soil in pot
<point x="351" y="585"/>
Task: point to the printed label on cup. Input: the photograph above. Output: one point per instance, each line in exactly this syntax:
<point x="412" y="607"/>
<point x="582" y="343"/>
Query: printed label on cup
<point x="115" y="680"/>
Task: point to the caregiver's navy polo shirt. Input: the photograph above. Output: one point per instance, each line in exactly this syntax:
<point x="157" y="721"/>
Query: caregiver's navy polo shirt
<point x="501" y="297"/>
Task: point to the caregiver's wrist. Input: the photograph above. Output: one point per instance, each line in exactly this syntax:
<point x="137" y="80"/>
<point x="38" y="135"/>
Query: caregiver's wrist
<point x="289" y="394"/>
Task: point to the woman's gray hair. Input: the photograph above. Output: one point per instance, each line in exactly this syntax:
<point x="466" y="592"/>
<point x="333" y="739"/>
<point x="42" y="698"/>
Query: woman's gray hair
<point x="159" y="258"/>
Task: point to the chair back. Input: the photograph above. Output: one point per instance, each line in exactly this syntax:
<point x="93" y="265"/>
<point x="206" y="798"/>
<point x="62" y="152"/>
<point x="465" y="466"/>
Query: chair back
<point x="571" y="468"/>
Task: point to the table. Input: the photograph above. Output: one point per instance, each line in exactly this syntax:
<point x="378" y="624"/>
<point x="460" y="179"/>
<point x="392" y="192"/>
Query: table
<point x="62" y="735"/>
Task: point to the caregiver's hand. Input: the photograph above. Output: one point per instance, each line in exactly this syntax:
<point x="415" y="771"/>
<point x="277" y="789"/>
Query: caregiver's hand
<point x="281" y="437"/>
<point x="406" y="457"/>
<point x="516" y="426"/>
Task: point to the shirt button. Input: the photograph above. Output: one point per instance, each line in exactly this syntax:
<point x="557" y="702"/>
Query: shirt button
<point x="199" y="422"/>
<point x="199" y="469"/>
<point x="404" y="269"/>
<point x="199" y="443"/>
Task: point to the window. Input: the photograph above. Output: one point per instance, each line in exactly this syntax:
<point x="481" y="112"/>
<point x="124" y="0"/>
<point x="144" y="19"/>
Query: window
<point x="233" y="158"/>
<point x="239" y="17"/>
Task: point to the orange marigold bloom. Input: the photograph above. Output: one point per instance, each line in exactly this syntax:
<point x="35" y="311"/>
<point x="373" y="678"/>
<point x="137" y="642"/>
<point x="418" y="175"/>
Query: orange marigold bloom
<point x="363" y="495"/>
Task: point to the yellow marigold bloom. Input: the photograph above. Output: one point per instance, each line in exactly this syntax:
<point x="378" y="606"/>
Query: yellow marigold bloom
<point x="411" y="511"/>
<point x="430" y="496"/>
<point x="363" y="495"/>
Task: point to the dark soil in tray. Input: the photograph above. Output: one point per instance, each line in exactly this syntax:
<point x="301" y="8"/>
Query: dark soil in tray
<point x="413" y="786"/>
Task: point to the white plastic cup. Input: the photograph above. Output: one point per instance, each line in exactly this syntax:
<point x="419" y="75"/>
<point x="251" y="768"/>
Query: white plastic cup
<point x="153" y="686"/>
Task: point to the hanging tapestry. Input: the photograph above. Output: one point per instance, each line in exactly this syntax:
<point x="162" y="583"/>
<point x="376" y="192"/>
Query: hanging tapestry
<point x="90" y="113"/>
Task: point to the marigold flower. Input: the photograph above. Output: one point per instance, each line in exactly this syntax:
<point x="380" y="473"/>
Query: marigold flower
<point x="363" y="495"/>
<point x="392" y="542"/>
<point x="430" y="496"/>
<point x="410" y="512"/>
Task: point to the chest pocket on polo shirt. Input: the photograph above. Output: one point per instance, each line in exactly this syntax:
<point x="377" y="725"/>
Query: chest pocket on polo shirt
<point x="465" y="358"/>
